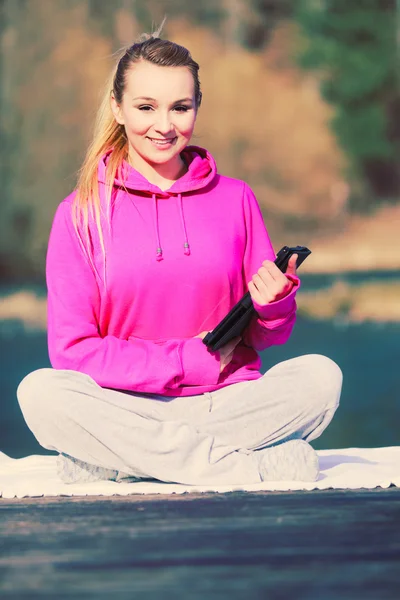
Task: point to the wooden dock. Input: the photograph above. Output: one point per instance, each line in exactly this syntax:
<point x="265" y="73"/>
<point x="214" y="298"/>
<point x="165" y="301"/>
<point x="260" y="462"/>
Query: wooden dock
<point x="321" y="545"/>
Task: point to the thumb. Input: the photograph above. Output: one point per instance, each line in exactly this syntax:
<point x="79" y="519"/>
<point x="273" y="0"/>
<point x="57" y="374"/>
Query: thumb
<point x="291" y="268"/>
<point x="202" y="335"/>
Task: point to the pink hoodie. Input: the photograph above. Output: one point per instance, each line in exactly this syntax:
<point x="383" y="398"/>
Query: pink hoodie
<point x="176" y="263"/>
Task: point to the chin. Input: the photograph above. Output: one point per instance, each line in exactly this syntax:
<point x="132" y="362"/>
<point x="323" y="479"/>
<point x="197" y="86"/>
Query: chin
<point x="164" y="157"/>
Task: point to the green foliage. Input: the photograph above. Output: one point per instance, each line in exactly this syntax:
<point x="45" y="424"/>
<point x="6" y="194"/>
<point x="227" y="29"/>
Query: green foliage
<point x="362" y="131"/>
<point x="261" y="20"/>
<point x="206" y="13"/>
<point x="352" y="46"/>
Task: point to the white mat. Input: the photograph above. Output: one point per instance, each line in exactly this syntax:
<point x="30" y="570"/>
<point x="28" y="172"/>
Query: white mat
<point x="349" y="468"/>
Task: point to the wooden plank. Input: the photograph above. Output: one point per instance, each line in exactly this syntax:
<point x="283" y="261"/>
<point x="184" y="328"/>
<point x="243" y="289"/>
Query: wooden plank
<point x="318" y="545"/>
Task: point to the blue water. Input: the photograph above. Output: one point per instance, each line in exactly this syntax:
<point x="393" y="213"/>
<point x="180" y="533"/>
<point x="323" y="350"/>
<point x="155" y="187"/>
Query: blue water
<point x="324" y="280"/>
<point x="368" y="355"/>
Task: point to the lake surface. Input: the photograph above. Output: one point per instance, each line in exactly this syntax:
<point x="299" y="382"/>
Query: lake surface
<point x="368" y="354"/>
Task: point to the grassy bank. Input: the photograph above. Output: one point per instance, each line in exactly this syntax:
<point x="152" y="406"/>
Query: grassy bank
<point x="373" y="301"/>
<point x="367" y="243"/>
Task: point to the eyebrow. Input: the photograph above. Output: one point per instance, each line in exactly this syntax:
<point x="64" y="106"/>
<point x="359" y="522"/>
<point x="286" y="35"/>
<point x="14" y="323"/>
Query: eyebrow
<point x="154" y="100"/>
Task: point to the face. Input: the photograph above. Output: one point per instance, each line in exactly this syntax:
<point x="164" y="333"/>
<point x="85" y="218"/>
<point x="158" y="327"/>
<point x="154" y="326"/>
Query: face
<point x="158" y="111"/>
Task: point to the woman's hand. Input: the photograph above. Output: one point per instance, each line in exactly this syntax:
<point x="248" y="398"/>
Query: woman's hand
<point x="270" y="284"/>
<point x="226" y="352"/>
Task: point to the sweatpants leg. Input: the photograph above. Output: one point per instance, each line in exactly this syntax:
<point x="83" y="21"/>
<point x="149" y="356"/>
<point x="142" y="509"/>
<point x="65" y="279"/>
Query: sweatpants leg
<point x="207" y="438"/>
<point x="295" y="399"/>
<point x="69" y="412"/>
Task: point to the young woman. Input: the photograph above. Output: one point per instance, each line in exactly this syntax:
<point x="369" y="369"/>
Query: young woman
<point x="150" y="252"/>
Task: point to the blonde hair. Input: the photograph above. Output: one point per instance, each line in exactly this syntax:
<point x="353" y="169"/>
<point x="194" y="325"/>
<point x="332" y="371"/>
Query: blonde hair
<point x="110" y="135"/>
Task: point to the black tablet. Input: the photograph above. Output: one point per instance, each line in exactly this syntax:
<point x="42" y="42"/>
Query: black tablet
<point x="240" y="315"/>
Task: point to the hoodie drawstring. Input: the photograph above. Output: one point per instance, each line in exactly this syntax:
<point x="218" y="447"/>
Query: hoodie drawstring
<point x="159" y="254"/>
<point x="186" y="243"/>
<point x="155" y="211"/>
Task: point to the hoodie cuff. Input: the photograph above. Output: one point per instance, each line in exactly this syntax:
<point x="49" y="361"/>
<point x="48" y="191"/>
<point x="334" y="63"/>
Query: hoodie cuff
<point x="280" y="309"/>
<point x="200" y="365"/>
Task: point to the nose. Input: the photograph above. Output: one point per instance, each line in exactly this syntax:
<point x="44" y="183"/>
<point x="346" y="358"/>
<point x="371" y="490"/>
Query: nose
<point x="163" y="124"/>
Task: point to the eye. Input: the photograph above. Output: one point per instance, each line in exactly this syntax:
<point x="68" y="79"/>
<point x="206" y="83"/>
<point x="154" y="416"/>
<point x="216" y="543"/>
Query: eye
<point x="181" y="108"/>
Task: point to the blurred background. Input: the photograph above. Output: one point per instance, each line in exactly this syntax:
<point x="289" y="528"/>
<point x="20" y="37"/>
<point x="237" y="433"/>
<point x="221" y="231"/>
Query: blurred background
<point x="300" y="99"/>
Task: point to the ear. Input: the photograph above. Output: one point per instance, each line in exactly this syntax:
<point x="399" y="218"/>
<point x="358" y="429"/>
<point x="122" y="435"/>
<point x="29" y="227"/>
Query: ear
<point x="117" y="110"/>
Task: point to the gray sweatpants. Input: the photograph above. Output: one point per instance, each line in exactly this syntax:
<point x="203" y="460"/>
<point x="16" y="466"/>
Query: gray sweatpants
<point x="204" y="439"/>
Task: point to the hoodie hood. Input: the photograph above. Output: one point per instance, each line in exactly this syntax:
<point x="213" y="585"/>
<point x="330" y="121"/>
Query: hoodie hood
<point x="201" y="171"/>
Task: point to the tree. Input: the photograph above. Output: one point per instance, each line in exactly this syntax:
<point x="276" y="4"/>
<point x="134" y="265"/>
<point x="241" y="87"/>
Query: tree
<point x="352" y="45"/>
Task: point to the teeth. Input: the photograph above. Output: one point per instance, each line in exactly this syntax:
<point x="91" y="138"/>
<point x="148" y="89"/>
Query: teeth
<point x="161" y="143"/>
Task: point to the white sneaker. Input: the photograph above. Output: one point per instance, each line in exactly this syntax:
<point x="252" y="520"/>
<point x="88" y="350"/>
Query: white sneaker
<point x="73" y="470"/>
<point x="295" y="460"/>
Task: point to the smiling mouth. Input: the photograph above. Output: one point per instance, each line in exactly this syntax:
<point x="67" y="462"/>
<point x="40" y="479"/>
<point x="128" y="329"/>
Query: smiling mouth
<point x="165" y="141"/>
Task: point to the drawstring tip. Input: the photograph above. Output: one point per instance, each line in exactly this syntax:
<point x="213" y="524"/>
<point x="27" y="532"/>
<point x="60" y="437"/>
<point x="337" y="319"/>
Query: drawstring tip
<point x="159" y="254"/>
<point x="187" y="248"/>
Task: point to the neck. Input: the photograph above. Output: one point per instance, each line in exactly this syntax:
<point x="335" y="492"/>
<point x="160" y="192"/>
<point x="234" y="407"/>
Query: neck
<point x="163" y="175"/>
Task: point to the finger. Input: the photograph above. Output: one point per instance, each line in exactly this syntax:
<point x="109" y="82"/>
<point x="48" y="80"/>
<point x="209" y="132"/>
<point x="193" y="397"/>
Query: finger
<point x="274" y="270"/>
<point x="291" y="268"/>
<point x="227" y="359"/>
<point x="254" y="293"/>
<point x="202" y="335"/>
<point x="273" y="290"/>
<point x="267" y="289"/>
<point x="267" y="274"/>
<point x="269" y="267"/>
<point x="224" y="364"/>
<point x="267" y="263"/>
<point x="273" y="277"/>
<point x="231" y="345"/>
<point x="227" y="351"/>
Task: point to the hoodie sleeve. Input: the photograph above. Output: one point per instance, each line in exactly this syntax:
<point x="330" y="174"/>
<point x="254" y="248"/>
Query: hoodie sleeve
<point x="74" y="341"/>
<point x="274" y="322"/>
